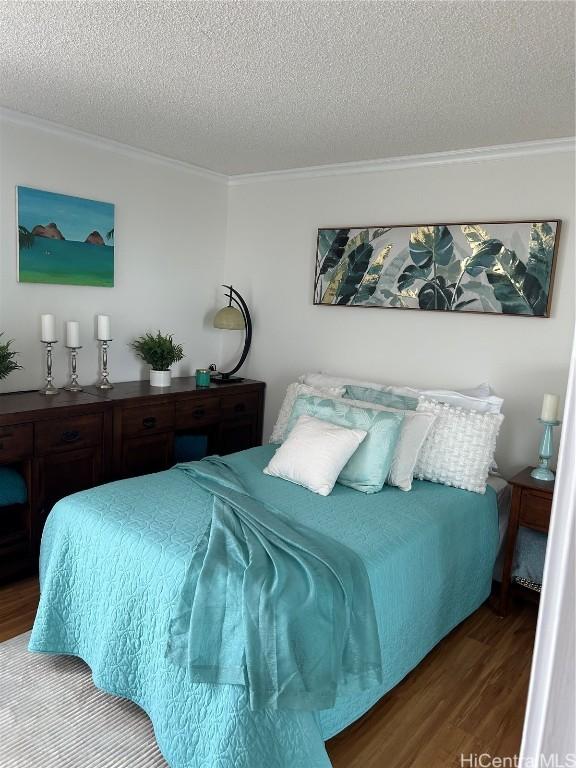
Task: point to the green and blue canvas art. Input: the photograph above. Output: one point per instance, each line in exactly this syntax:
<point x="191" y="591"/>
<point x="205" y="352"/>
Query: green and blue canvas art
<point x="65" y="240"/>
<point x="499" y="268"/>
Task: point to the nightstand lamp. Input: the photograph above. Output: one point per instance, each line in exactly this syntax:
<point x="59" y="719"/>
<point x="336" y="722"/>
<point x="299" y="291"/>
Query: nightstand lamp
<point x="234" y="318"/>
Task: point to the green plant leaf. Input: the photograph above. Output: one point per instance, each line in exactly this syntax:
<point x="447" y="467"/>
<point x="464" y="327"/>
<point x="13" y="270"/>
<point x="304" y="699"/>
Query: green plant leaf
<point x="331" y="244"/>
<point x="452" y="272"/>
<point x="335" y="282"/>
<point x="411" y="274"/>
<point x="485" y="295"/>
<point x="541" y="253"/>
<point x="519" y="292"/>
<point x="358" y="261"/>
<point x="158" y="351"/>
<point x="371" y="277"/>
<point x="8" y="362"/>
<point x="435" y="295"/>
<point x="432" y="242"/>
<point x="362" y="237"/>
<point x="393" y="268"/>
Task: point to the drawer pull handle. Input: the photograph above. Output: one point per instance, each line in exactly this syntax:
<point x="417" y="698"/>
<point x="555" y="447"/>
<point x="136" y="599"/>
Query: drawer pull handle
<point x="198" y="413"/>
<point x="71" y="436"/>
<point x="149" y="422"/>
<point x="239" y="407"/>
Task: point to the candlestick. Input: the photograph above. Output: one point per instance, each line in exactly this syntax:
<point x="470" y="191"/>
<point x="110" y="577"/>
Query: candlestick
<point x="543" y="471"/>
<point x="73" y="334"/>
<point x="103" y="332"/>
<point x="49" y="388"/>
<point x="73" y="386"/>
<point x="48" y="329"/>
<point x="104" y="383"/>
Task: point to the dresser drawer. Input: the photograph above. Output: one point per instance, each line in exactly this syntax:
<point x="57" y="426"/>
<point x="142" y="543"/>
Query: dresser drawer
<point x="535" y="511"/>
<point x="15" y="442"/>
<point x="64" y="434"/>
<point x="239" y="405"/>
<point x="197" y="411"/>
<point x="147" y="420"/>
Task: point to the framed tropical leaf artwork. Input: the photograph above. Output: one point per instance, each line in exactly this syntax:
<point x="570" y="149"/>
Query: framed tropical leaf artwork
<point x="504" y="268"/>
<point x="64" y="239"/>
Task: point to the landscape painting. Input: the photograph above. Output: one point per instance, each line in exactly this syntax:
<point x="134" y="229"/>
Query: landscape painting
<point x="64" y="240"/>
<point x="498" y="268"/>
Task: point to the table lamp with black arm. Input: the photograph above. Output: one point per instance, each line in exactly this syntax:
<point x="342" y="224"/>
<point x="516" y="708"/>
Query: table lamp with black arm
<point x="233" y="318"/>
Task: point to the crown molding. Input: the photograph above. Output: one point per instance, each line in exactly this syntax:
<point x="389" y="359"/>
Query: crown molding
<point x="20" y="118"/>
<point x="480" y="154"/>
<point x="498" y="152"/>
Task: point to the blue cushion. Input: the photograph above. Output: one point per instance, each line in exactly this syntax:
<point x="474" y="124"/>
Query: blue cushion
<point x="380" y="397"/>
<point x="12" y="487"/>
<point x="369" y="465"/>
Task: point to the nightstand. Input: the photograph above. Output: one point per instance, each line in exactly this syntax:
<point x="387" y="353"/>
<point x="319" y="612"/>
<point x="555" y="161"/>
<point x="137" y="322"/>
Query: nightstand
<point x="531" y="507"/>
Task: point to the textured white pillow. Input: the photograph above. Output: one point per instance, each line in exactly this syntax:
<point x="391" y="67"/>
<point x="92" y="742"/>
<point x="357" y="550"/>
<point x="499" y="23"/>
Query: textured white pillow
<point x="292" y="392"/>
<point x="479" y="398"/>
<point x="413" y="432"/>
<point x="460" y="447"/>
<point x="314" y="454"/>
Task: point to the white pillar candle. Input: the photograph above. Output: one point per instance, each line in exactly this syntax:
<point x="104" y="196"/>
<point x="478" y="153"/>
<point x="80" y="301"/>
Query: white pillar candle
<point x="48" y="328"/>
<point x="104" y="328"/>
<point x="550" y="408"/>
<point x="72" y="333"/>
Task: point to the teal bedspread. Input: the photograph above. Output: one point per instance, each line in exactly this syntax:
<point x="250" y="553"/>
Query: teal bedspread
<point x="114" y="561"/>
<point x="285" y="611"/>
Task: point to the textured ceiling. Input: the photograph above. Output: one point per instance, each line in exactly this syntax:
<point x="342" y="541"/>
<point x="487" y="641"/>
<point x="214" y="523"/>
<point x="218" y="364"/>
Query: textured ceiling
<point x="252" y="86"/>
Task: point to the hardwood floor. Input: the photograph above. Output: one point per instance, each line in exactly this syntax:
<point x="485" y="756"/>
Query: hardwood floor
<point x="18" y="603"/>
<point x="467" y="696"/>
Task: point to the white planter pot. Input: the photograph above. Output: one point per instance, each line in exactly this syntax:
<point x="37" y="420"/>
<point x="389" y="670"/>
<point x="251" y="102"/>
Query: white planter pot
<point x="160" y="378"/>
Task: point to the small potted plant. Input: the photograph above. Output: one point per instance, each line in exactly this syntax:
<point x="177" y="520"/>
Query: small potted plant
<point x="160" y="353"/>
<point x="7" y="359"/>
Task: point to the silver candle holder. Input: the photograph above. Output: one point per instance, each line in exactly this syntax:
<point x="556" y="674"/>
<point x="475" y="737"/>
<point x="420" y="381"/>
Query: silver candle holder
<point x="49" y="388"/>
<point x="104" y="382"/>
<point x="73" y="386"/>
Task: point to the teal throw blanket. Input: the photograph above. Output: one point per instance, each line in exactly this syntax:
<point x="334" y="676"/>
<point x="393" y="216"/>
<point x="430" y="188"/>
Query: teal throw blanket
<point x="272" y="605"/>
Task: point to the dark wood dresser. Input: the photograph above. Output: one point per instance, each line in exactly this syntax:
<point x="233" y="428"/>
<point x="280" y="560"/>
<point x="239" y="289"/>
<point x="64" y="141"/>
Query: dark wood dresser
<point x="74" y="441"/>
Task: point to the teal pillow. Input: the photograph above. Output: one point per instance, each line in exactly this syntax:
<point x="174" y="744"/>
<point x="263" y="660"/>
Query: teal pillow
<point x="12" y="487"/>
<point x="369" y="465"/>
<point x="378" y="396"/>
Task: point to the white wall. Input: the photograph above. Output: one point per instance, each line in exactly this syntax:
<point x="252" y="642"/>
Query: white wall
<point x="272" y="227"/>
<point x="170" y="232"/>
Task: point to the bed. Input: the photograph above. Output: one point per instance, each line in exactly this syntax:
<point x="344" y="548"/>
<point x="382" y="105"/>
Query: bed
<point x="112" y="565"/>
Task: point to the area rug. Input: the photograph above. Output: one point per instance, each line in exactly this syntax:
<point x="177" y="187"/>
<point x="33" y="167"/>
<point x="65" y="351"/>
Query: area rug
<point x="52" y="716"/>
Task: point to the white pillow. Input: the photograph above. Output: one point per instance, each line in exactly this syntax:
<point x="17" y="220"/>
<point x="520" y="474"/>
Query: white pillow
<point x="292" y="392"/>
<point x="314" y="454"/>
<point x="479" y="398"/>
<point x="460" y="447"/>
<point x="483" y="404"/>
<point x="413" y="432"/>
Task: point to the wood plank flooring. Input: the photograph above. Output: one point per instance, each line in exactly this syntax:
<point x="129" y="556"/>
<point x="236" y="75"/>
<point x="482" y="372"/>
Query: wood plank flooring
<point x="467" y="696"/>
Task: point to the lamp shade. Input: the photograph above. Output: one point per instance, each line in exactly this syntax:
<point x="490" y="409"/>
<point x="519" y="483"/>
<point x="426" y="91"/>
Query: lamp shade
<point x="229" y="319"/>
